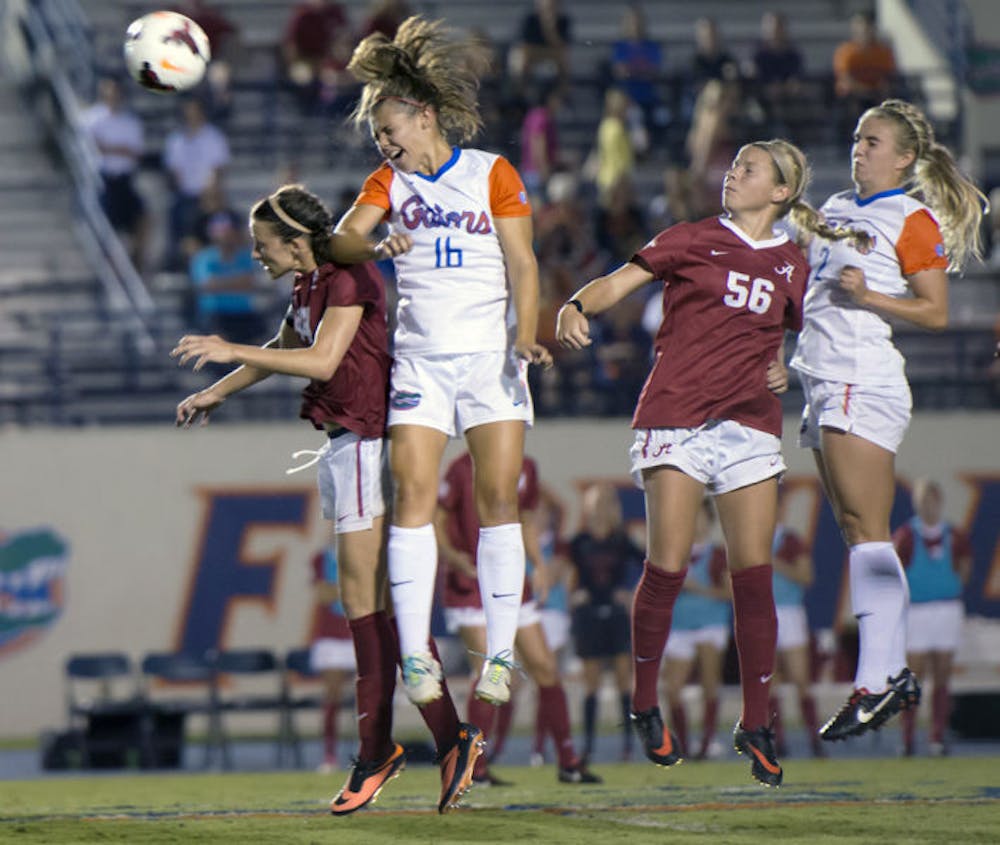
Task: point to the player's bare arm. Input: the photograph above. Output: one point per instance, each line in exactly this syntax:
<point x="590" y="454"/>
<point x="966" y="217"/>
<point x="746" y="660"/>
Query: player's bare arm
<point x="350" y="243"/>
<point x="927" y="308"/>
<point x="515" y="238"/>
<point x="572" y="325"/>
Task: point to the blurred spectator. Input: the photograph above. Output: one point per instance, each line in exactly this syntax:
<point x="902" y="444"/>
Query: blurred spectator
<point x="606" y="565"/>
<point x="864" y="67"/>
<point x="224" y="276"/>
<point x="637" y="67"/>
<point x="711" y="59"/>
<point x="937" y="558"/>
<point x="540" y="153"/>
<point x="118" y="135"/>
<point x="336" y="88"/>
<point x="620" y="225"/>
<point x="614" y="155"/>
<point x="699" y="633"/>
<point x="712" y="143"/>
<point x="222" y="36"/>
<point x="212" y="201"/>
<point x="385" y="16"/>
<point x="543" y="41"/>
<point x="194" y="156"/>
<point x="563" y="234"/>
<point x="309" y="36"/>
<point x="331" y="654"/>
<point x="622" y="348"/>
<point x="777" y="70"/>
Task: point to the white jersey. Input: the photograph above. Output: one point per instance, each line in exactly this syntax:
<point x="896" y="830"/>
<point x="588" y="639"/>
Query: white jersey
<point x="841" y="341"/>
<point x="453" y="290"/>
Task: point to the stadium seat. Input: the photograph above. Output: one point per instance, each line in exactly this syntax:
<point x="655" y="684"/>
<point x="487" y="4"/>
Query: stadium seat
<point x="189" y="679"/>
<point x="104" y="708"/>
<point x="298" y="668"/>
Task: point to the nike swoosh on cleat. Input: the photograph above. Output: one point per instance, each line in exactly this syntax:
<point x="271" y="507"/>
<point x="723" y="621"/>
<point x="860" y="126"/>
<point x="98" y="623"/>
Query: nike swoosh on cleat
<point x="666" y="748"/>
<point x="767" y="764"/>
<point x="865" y="716"/>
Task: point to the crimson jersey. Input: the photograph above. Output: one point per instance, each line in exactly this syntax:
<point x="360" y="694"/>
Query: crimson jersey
<point x="329" y="621"/>
<point x="356" y="396"/>
<point x="457" y="496"/>
<point x="726" y="302"/>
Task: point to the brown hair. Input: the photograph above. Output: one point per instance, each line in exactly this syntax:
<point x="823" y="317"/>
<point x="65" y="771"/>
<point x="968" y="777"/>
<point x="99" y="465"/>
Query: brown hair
<point x="424" y="65"/>
<point x="295" y="212"/>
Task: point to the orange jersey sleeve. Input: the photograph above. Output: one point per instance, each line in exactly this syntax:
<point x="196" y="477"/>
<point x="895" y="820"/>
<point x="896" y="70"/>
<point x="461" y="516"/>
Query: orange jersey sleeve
<point x="920" y="246"/>
<point x="375" y="191"/>
<point x="507" y="195"/>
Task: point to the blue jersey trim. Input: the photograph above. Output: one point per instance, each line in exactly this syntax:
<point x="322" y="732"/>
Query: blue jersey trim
<point x="448" y="165"/>
<point x="895" y="192"/>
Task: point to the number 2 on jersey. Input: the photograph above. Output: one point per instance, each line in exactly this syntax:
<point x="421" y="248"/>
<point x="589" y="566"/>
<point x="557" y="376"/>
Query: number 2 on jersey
<point x="755" y="296"/>
<point x="445" y="254"/>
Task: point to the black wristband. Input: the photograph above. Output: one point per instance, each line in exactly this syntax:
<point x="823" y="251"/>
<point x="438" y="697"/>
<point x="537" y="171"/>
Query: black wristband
<point x="577" y="305"/>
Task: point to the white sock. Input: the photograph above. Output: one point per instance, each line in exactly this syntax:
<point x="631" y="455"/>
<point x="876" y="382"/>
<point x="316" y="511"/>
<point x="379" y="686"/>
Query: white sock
<point x="500" y="566"/>
<point x="880" y="598"/>
<point x="412" y="573"/>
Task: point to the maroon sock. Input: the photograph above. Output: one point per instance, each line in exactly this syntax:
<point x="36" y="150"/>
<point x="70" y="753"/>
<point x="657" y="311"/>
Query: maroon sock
<point x="777" y="724"/>
<point x="541" y="727"/>
<point x="807" y="704"/>
<point x="679" y="725"/>
<point x="553" y="701"/>
<point x="710" y="718"/>
<point x="652" y="610"/>
<point x="940" y="711"/>
<point x="330" y="709"/>
<point x="505" y="716"/>
<point x="756" y="636"/>
<point x="482" y="715"/>
<point x="373" y="696"/>
<point x="909" y="720"/>
<point x="440" y="715"/>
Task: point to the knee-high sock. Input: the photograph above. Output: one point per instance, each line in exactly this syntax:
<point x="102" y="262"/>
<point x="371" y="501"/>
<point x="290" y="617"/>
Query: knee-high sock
<point x="940" y="711"/>
<point x="541" y="729"/>
<point x="909" y="721"/>
<point x="505" y="715"/>
<point x="553" y="701"/>
<point x="709" y="720"/>
<point x="330" y="710"/>
<point x="652" y="611"/>
<point x="412" y="570"/>
<point x="879" y="597"/>
<point x="375" y="650"/>
<point x="483" y="716"/>
<point x="756" y="627"/>
<point x="589" y="723"/>
<point x="679" y="725"/>
<point x="500" y="566"/>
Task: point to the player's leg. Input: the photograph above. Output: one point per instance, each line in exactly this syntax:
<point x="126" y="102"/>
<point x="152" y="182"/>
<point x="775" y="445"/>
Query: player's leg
<point x="334" y="682"/>
<point x="941" y="663"/>
<point x="795" y="666"/>
<point x="676" y="671"/>
<point x="415" y="460"/>
<point x="918" y="662"/>
<point x="709" y="659"/>
<point x="672" y="502"/>
<point x="592" y="671"/>
<point x="497" y="450"/>
<point x="621" y="666"/>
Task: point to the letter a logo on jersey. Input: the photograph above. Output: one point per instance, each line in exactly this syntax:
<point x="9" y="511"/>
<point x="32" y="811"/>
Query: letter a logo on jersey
<point x="785" y="271"/>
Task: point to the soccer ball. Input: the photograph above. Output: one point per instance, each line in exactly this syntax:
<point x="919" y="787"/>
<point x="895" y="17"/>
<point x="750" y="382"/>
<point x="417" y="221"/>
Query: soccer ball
<point x="166" y="52"/>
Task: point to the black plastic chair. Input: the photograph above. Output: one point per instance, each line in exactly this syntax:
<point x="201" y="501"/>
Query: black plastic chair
<point x="230" y="667"/>
<point x="103" y="707"/>
<point x="190" y="679"/>
<point x="298" y="668"/>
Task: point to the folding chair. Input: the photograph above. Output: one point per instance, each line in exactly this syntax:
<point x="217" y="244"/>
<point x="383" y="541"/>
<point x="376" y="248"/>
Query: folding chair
<point x="103" y="708"/>
<point x="190" y="680"/>
<point x="298" y="668"/>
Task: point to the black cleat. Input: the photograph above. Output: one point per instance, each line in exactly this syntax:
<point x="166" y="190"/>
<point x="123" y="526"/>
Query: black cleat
<point x="660" y="745"/>
<point x="758" y="745"/>
<point x="868" y="711"/>
<point x="457" y="765"/>
<point x="579" y="774"/>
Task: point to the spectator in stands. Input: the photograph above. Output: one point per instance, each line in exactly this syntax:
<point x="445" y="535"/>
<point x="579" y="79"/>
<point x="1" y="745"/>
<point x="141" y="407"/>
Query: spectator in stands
<point x="309" y="35"/>
<point x="212" y="202"/>
<point x="331" y="654"/>
<point x="937" y="558"/>
<point x="777" y="70"/>
<point x="337" y="89"/>
<point x="699" y="634"/>
<point x="606" y="564"/>
<point x="224" y="276"/>
<point x="637" y="66"/>
<point x="620" y="224"/>
<point x="540" y="153"/>
<point x="864" y="70"/>
<point x="195" y="156"/>
<point x="118" y="135"/>
<point x="711" y="58"/>
<point x="385" y="16"/>
<point x="543" y="41"/>
<point x="614" y="155"/>
<point x="712" y="143"/>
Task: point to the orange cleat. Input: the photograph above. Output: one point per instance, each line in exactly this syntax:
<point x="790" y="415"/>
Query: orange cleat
<point x="457" y="766"/>
<point x="366" y="781"/>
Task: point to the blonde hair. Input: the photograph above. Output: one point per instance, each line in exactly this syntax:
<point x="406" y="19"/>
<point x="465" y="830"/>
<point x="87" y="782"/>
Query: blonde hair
<point x="424" y="65"/>
<point x="792" y="169"/>
<point x="936" y="180"/>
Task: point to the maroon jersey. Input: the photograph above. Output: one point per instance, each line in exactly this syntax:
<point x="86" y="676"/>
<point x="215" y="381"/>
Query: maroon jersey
<point x="329" y="622"/>
<point x="457" y="496"/>
<point x="356" y="396"/>
<point x="726" y="303"/>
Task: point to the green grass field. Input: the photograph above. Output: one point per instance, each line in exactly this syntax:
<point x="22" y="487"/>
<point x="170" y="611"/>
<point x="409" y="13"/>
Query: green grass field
<point x="877" y="801"/>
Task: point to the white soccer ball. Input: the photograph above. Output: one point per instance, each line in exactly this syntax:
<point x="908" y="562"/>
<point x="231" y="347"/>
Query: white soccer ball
<point x="166" y="52"/>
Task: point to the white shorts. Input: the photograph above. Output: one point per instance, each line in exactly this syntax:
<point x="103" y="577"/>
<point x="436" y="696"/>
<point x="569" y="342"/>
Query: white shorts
<point x="681" y="645"/>
<point x="880" y="414"/>
<point x="454" y="393"/>
<point x="456" y="618"/>
<point x="556" y="625"/>
<point x="934" y="626"/>
<point x="793" y="629"/>
<point x="332" y="654"/>
<point x="723" y="455"/>
<point x="353" y="481"/>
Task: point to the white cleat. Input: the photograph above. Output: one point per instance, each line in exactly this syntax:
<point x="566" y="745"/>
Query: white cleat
<point x="494" y="684"/>
<point x="422" y="678"/>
